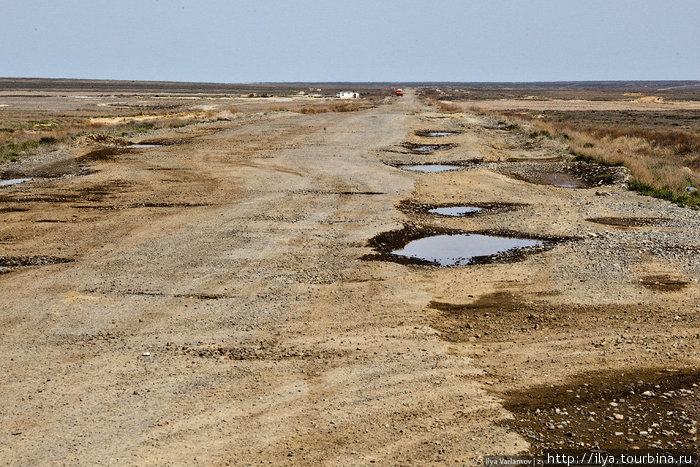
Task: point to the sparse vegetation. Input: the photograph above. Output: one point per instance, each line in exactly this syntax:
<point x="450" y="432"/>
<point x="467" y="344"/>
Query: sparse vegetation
<point x="662" y="161"/>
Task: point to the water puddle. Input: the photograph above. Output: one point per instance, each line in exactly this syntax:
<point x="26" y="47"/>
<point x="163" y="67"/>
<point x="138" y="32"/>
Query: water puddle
<point x="460" y="249"/>
<point x="136" y="146"/>
<point x="431" y="168"/>
<point x="421" y="148"/>
<point x="562" y="180"/>
<point x="435" y="133"/>
<point x="426" y="148"/>
<point x="455" y="211"/>
<point x="14" y="181"/>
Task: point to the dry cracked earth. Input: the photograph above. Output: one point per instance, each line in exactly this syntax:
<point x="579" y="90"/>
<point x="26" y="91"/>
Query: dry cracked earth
<point x="229" y="297"/>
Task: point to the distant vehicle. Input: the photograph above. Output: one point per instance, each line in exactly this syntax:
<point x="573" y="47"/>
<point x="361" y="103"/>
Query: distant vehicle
<point x="398" y="92"/>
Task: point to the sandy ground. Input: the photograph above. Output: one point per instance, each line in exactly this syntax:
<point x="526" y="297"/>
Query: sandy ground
<point x="215" y="308"/>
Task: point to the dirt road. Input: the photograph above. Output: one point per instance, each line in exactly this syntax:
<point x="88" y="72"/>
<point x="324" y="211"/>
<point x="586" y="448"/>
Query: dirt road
<point x="205" y="301"/>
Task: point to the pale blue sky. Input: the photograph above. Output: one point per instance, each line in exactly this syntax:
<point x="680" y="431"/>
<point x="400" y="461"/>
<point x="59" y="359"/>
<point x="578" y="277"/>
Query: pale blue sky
<point x="313" y="40"/>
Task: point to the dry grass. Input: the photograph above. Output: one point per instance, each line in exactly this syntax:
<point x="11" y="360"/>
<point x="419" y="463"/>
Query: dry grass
<point x="662" y="162"/>
<point x="324" y="108"/>
<point x="446" y="107"/>
<point x="21" y="138"/>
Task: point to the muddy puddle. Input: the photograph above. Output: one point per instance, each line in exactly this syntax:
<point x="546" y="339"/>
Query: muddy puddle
<point x="629" y="221"/>
<point x="139" y="146"/>
<point x="14" y="181"/>
<point x="448" y="247"/>
<point x="430" y="168"/>
<point x="558" y="179"/>
<point x="621" y="409"/>
<point x="455" y="211"/>
<point x="435" y="133"/>
<point x="426" y="148"/>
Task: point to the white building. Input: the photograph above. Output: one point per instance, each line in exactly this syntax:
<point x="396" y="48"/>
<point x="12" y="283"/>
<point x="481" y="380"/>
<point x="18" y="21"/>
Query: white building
<point x="348" y="95"/>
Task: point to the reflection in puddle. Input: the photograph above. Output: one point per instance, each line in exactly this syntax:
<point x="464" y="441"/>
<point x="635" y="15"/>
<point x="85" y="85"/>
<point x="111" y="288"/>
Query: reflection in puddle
<point x="458" y="250"/>
<point x="426" y="148"/>
<point x="455" y="211"/>
<point x="431" y="168"/>
<point x="133" y="146"/>
<point x="436" y="134"/>
<point x="14" y="181"/>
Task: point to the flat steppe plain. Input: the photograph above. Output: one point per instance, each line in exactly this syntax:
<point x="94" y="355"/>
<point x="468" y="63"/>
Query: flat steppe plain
<point x="209" y="301"/>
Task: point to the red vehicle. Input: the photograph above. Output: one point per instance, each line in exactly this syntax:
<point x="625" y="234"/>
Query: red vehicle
<point x="398" y="92"/>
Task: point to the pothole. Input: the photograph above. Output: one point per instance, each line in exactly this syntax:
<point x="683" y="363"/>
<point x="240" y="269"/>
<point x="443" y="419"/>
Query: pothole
<point x="455" y="211"/>
<point x="629" y="221"/>
<point x="663" y="283"/>
<point x="622" y="409"/>
<point x="14" y="181"/>
<point x="558" y="179"/>
<point x="435" y="133"/>
<point x="447" y="247"/>
<point x="426" y="148"/>
<point x="460" y="249"/>
<point x="430" y="167"/>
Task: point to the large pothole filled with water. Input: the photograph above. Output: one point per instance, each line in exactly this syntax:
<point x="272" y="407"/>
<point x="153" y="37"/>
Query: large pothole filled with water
<point x="433" y="246"/>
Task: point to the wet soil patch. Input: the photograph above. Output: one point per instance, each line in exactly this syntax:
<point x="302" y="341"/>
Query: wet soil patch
<point x="55" y="169"/>
<point x="13" y="209"/>
<point x="64" y="198"/>
<point x="559" y="179"/>
<point x="663" y="283"/>
<point x="102" y="154"/>
<point x="419" y="148"/>
<point x="16" y="261"/>
<point x="387" y="243"/>
<point x="507" y="316"/>
<point x="436" y="133"/>
<point x="623" y="409"/>
<point x="629" y="221"/>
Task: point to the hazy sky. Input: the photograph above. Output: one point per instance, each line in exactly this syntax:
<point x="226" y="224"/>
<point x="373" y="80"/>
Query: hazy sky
<point x="307" y="40"/>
